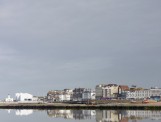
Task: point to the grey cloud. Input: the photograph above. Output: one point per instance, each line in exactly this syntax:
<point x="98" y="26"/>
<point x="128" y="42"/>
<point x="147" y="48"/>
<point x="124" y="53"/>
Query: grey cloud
<point x="57" y="44"/>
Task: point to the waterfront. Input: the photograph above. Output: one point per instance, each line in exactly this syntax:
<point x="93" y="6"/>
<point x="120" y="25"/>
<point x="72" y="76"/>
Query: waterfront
<point x="61" y="115"/>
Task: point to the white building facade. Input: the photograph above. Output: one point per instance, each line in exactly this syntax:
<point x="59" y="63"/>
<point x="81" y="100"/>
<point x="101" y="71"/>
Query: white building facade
<point x="143" y="94"/>
<point x="106" y="91"/>
<point x="60" y="95"/>
<point x="88" y="95"/>
<point x="8" y="99"/>
<point x="24" y="97"/>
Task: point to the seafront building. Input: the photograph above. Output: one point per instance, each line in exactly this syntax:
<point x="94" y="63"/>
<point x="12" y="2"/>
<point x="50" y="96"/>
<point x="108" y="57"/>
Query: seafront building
<point x="83" y="94"/>
<point x="143" y="93"/>
<point x="60" y="95"/>
<point x="8" y="99"/>
<point x="122" y="90"/>
<point x="78" y="94"/>
<point x="88" y="94"/>
<point x="109" y="91"/>
<point x="24" y="97"/>
<point x="99" y="91"/>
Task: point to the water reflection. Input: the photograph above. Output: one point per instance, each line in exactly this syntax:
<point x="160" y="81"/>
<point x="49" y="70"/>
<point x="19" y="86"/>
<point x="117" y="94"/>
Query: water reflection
<point x="98" y="115"/>
<point x="106" y="115"/>
<point x="72" y="114"/>
<point x="23" y="112"/>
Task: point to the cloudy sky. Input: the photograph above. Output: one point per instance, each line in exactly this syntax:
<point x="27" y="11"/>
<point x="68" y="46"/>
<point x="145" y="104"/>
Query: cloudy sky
<point x="58" y="44"/>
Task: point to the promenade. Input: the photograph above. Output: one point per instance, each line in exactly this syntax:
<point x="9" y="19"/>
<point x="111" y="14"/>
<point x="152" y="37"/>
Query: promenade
<point x="15" y="105"/>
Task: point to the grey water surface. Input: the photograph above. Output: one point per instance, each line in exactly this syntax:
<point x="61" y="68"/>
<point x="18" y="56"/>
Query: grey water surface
<point x="29" y="115"/>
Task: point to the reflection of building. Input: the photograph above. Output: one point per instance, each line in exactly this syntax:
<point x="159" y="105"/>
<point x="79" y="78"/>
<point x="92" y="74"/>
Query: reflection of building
<point x="107" y="116"/>
<point x="72" y="114"/>
<point x="67" y="114"/>
<point x="83" y="114"/>
<point x="23" y="112"/>
<point x="144" y="114"/>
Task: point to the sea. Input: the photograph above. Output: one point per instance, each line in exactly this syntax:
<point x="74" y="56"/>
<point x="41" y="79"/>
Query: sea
<point x="61" y="115"/>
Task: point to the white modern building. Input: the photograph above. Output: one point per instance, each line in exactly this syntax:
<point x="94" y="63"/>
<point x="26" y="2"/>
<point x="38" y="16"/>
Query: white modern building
<point x="24" y="97"/>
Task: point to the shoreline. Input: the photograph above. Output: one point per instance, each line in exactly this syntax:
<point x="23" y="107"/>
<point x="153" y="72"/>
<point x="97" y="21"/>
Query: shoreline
<point x="114" y="106"/>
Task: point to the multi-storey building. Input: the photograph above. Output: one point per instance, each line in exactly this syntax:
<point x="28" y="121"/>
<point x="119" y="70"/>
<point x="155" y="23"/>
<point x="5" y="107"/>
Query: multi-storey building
<point x="143" y="93"/>
<point x="122" y="91"/>
<point x="106" y="91"/>
<point x="99" y="91"/>
<point x="60" y="95"/>
<point x="78" y="94"/>
<point x="110" y="91"/>
<point x="88" y="94"/>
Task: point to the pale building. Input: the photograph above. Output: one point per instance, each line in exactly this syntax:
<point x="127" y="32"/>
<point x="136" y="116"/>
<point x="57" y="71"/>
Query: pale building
<point x="60" y="95"/>
<point x="99" y="91"/>
<point x="143" y="93"/>
<point x="110" y="91"/>
<point x="88" y="94"/>
<point x="122" y="91"/>
<point x="8" y="99"/>
<point x="24" y="97"/>
<point x="78" y="94"/>
<point x="106" y="91"/>
<point x="138" y="94"/>
<point x="155" y="91"/>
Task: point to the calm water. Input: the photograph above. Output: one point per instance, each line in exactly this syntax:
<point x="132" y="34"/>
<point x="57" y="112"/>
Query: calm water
<point x="80" y="116"/>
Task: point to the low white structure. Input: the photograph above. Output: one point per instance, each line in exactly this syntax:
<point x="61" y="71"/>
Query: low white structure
<point x="24" y="97"/>
<point x="8" y="99"/>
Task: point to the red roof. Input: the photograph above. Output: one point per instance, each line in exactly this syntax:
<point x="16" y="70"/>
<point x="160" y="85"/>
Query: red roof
<point x="124" y="87"/>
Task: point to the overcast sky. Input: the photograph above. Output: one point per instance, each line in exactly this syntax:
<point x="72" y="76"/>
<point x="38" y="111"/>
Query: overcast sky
<point x="56" y="44"/>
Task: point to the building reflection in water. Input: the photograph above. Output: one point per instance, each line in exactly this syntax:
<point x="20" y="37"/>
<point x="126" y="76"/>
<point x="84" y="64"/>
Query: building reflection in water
<point x="23" y="112"/>
<point x="99" y="115"/>
<point x="72" y="114"/>
<point x="106" y="115"/>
